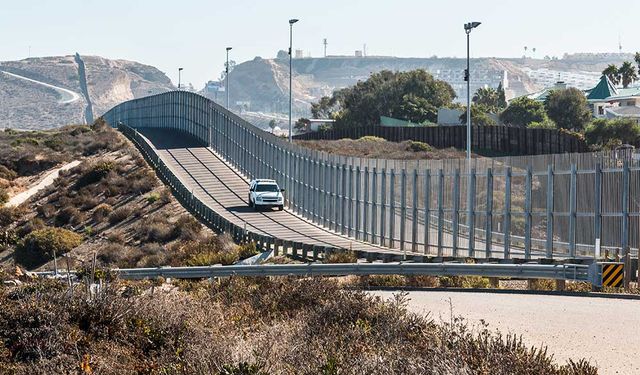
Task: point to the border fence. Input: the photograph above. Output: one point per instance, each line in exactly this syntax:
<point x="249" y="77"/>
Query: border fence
<point x="510" y="140"/>
<point x="544" y="206"/>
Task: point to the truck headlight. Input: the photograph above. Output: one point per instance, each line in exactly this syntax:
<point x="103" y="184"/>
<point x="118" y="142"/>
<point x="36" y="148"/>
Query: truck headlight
<point x="259" y="198"/>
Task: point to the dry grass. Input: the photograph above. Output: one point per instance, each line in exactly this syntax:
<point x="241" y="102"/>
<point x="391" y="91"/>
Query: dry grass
<point x="246" y="326"/>
<point x="374" y="147"/>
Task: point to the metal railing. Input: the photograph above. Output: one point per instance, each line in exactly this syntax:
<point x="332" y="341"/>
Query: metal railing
<point x="545" y="206"/>
<point x="522" y="271"/>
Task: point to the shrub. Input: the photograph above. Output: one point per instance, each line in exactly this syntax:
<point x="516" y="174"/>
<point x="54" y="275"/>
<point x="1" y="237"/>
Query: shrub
<point x="208" y="251"/>
<point x="187" y="228"/>
<point x="119" y="214"/>
<point x="464" y="282"/>
<point x="116" y="237"/>
<point x="4" y="196"/>
<point x="247" y="250"/>
<point x="157" y="232"/>
<point x="30" y="226"/>
<point x="416" y="146"/>
<point x="165" y="195"/>
<point x="9" y="215"/>
<point x="40" y="246"/>
<point x="371" y="138"/>
<point x="101" y="212"/>
<point x="69" y="215"/>
<point x="153" y="198"/>
<point x="545" y="124"/>
<point x="606" y="133"/>
<point x="6" y="173"/>
<point x="341" y="256"/>
<point x="95" y="173"/>
<point x="112" y="254"/>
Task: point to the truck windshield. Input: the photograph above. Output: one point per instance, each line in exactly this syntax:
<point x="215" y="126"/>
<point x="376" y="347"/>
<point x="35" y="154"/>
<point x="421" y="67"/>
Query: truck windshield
<point x="267" y="188"/>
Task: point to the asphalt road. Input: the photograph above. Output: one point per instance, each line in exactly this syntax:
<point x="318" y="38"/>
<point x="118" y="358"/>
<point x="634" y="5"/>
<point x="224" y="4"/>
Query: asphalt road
<point x="602" y="330"/>
<point x="67" y="96"/>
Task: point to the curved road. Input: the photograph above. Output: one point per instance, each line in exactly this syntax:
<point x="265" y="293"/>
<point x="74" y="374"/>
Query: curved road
<point x="67" y="96"/>
<point x="224" y="190"/>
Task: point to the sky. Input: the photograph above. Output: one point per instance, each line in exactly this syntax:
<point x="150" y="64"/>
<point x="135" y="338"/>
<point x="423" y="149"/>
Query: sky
<point x="193" y="34"/>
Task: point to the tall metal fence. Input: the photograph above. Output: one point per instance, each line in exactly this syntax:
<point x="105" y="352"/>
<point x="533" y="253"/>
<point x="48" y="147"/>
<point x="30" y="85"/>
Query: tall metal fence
<point x="545" y="206"/>
<point x="511" y="140"/>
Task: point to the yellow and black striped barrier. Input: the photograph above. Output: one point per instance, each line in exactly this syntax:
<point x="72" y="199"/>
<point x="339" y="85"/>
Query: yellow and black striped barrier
<point x="613" y="274"/>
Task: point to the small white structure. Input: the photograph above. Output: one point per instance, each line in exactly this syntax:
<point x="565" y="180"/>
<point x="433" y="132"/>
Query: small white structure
<point x="316" y="123"/>
<point x="448" y="116"/>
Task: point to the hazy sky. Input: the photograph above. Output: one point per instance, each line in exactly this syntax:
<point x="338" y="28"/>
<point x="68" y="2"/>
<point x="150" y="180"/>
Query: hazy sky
<point x="194" y="34"/>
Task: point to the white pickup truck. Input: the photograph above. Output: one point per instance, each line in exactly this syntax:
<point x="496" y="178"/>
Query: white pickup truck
<point x="265" y="193"/>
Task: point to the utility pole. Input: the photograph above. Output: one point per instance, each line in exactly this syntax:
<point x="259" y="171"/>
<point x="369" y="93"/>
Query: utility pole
<point x="226" y="77"/>
<point x="291" y="22"/>
<point x="324" y="41"/>
<point x="467" y="77"/>
<point x="179" y="77"/>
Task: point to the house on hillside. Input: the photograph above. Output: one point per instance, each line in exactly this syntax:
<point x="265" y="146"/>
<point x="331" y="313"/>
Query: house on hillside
<point x="607" y="101"/>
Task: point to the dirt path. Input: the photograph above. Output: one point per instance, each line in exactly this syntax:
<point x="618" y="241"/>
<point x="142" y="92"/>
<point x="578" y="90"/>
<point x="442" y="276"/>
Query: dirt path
<point x="48" y="179"/>
<point x="603" y="330"/>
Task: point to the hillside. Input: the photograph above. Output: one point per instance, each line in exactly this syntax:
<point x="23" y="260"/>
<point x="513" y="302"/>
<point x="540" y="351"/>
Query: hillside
<point x="48" y="92"/>
<point x="111" y="206"/>
<point x="261" y="84"/>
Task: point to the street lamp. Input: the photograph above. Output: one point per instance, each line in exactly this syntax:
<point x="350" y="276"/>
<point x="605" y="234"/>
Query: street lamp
<point x="291" y="22"/>
<point x="467" y="77"/>
<point x="226" y="84"/>
<point x="470" y="180"/>
<point x="179" y="77"/>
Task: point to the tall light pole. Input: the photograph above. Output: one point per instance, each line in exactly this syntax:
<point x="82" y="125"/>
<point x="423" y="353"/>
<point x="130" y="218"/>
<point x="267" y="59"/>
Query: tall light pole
<point x="179" y="77"/>
<point x="226" y="77"/>
<point x="291" y="22"/>
<point x="467" y="77"/>
<point x="470" y="172"/>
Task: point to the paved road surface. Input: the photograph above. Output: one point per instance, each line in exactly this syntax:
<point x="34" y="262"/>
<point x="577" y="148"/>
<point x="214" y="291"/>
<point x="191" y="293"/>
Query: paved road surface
<point x="605" y="331"/>
<point x="226" y="192"/>
<point x="18" y="199"/>
<point x="67" y="96"/>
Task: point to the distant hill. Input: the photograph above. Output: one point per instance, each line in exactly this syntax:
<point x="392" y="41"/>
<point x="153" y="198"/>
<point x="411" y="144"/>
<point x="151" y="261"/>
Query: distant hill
<point x="48" y="92"/>
<point x="262" y="85"/>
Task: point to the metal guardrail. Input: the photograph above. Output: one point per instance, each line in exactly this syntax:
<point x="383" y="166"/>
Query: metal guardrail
<point x="525" y="271"/>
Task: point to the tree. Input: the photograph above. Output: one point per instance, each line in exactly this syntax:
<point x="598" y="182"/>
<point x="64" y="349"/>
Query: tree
<point x="522" y="111"/>
<point x="414" y="96"/>
<point x="637" y="59"/>
<point x="272" y="125"/>
<point x="486" y="96"/>
<point x="223" y="74"/>
<point x="502" y="101"/>
<point x="282" y="54"/>
<point x="302" y="125"/>
<point x="611" y="133"/>
<point x="611" y="71"/>
<point x="627" y="73"/>
<point x="327" y="107"/>
<point x="479" y="116"/>
<point x="568" y="108"/>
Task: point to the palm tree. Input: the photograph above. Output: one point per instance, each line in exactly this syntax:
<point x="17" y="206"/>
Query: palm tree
<point x="612" y="73"/>
<point x="486" y="96"/>
<point x="628" y="74"/>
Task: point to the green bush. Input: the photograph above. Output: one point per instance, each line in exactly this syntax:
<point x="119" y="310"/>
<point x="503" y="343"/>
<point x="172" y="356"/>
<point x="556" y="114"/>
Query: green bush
<point x="247" y="250"/>
<point x="464" y="282"/>
<point x="544" y="124"/>
<point x="416" y="146"/>
<point x="40" y="246"/>
<point x="603" y="133"/>
<point x="153" y="198"/>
